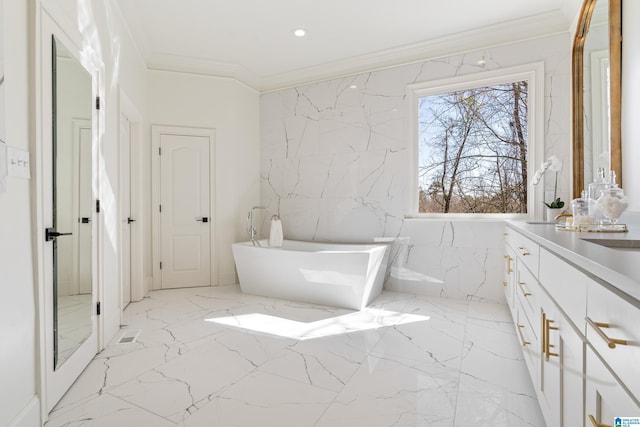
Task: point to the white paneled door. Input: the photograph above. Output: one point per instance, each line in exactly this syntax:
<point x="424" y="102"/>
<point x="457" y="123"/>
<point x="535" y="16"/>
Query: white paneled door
<point x="185" y="219"/>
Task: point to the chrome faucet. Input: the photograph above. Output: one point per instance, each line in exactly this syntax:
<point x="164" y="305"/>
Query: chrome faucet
<point x="251" y="229"/>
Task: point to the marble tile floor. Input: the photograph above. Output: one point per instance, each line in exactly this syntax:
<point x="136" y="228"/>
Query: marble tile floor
<point x="216" y="357"/>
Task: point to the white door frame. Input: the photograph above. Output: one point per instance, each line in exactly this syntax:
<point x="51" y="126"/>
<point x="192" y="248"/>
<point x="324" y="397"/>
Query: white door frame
<point x="139" y="288"/>
<point x="156" y="132"/>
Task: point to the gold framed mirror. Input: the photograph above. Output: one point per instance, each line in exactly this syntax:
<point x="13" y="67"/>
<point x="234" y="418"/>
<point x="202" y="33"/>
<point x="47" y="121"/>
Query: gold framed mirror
<point x="586" y="128"/>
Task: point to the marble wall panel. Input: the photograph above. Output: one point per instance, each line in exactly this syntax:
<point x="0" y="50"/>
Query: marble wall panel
<point x="334" y="167"/>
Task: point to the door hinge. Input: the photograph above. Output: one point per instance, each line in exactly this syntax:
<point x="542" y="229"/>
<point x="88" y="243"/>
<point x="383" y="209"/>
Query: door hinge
<point x="160" y="208"/>
<point x="97" y="102"/>
<point x="160" y="265"/>
<point x="159" y="151"/>
<point x="98" y="205"/>
<point x="98" y="310"/>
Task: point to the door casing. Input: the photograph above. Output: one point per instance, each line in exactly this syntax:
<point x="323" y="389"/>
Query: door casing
<point x="140" y="286"/>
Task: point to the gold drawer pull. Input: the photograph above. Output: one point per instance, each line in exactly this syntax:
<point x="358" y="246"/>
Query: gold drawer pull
<point x="524" y="292"/>
<point x="546" y="327"/>
<point x="505" y="283"/>
<point x="597" y="424"/>
<point x="611" y="342"/>
<point x="522" y="340"/>
<point x="508" y="258"/>
<point x="523" y="251"/>
<point x="549" y="345"/>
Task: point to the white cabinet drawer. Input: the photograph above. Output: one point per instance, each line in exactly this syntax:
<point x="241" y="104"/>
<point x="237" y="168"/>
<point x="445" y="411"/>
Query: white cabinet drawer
<point x="566" y="285"/>
<point x="613" y="318"/>
<point x="528" y="253"/>
<point x="605" y="399"/>
<point x="510" y="237"/>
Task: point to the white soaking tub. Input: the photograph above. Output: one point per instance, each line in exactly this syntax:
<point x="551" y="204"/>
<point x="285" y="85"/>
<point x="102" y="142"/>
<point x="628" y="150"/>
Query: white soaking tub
<point x="334" y="274"/>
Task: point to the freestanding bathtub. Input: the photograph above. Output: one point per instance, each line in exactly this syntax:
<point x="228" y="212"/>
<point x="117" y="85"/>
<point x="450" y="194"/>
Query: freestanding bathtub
<point x="334" y="274"/>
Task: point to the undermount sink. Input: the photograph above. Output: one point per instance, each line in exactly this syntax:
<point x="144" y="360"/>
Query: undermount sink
<point x="623" y="244"/>
<point x="542" y="222"/>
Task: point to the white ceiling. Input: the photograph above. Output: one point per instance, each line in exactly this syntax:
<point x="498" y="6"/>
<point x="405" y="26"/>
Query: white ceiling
<point x="252" y="40"/>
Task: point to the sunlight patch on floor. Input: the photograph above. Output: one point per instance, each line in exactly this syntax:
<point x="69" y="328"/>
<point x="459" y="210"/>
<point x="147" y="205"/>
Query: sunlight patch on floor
<point x="358" y="321"/>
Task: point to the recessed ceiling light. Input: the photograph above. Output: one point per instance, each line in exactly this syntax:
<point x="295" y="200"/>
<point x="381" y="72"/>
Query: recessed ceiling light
<point x="481" y="63"/>
<point x="353" y="87"/>
<point x="299" y="32"/>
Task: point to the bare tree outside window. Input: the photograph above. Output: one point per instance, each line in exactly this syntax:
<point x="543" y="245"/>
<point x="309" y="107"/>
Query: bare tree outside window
<point x="472" y="150"/>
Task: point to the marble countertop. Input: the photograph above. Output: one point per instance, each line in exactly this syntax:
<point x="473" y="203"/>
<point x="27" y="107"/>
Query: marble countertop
<point x="620" y="267"/>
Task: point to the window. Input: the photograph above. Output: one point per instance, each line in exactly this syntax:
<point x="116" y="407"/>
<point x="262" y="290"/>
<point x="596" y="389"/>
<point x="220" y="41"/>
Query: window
<point x="473" y="143"/>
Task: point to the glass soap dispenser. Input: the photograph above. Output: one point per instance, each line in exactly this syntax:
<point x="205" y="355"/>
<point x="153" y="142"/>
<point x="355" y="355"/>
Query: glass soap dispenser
<point x="583" y="210"/>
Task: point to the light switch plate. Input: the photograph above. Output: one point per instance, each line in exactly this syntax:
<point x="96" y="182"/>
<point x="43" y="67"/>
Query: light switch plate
<point x="18" y="164"/>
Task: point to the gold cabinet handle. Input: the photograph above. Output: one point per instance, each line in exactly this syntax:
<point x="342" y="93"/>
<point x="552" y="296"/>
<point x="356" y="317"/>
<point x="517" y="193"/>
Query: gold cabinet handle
<point x="505" y="283"/>
<point x="597" y="326"/>
<point x="597" y="424"/>
<point x="508" y="258"/>
<point x="522" y="340"/>
<point x="544" y="332"/>
<point x="546" y="343"/>
<point x="523" y="251"/>
<point x="524" y="292"/>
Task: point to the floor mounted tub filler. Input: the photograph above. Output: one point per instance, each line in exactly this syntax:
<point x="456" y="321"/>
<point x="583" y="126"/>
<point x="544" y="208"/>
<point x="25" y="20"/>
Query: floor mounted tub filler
<point x="334" y="274"/>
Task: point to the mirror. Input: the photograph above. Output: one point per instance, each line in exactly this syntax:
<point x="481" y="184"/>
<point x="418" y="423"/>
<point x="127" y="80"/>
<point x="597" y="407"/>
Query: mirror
<point x="72" y="203"/>
<point x="596" y="92"/>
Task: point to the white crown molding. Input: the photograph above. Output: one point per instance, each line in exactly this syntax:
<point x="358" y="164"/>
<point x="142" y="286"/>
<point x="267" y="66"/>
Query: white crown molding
<point x="202" y="66"/>
<point x="500" y="34"/>
<point x="506" y="33"/>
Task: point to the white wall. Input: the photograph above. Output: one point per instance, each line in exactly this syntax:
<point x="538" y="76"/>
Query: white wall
<point x="17" y="305"/>
<point x="631" y="102"/>
<point x="19" y="353"/>
<point x="232" y="109"/>
<point x="334" y="166"/>
<point x="2" y="95"/>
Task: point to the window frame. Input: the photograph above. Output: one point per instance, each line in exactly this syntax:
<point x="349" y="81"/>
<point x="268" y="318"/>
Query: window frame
<point x="534" y="74"/>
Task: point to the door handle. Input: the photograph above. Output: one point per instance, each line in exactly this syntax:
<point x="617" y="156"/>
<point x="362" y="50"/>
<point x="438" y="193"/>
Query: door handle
<point x="203" y="219"/>
<point x="51" y="233"/>
<point x="130" y="220"/>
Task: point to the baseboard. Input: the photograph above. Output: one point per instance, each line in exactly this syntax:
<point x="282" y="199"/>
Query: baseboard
<point x="29" y="416"/>
<point x="148" y="285"/>
<point x="228" y="278"/>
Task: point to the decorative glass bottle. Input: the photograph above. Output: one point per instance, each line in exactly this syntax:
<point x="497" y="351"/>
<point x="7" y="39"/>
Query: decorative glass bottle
<point x="583" y="210"/>
<point x="601" y="182"/>
<point x="612" y="203"/>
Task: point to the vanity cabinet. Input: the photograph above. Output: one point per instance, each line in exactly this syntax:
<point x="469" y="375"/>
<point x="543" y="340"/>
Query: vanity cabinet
<point x="561" y="379"/>
<point x="562" y="312"/>
<point x="522" y="294"/>
<point x="567" y="322"/>
<point x="613" y="331"/>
